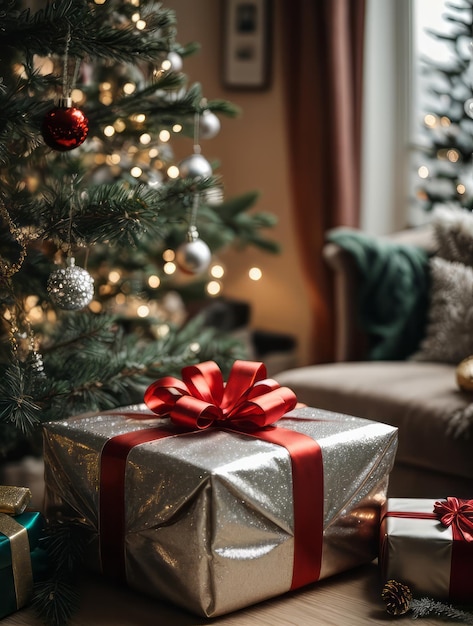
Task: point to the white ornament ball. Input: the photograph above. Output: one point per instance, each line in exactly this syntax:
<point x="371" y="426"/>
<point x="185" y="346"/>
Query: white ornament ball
<point x="195" y="166"/>
<point x="469" y="107"/>
<point x="71" y="288"/>
<point x="174" y="62"/>
<point x="193" y="257"/>
<point x="209" y="125"/>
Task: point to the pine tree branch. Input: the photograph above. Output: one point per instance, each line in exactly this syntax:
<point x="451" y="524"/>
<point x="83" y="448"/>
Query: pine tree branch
<point x="427" y="607"/>
<point x="45" y="32"/>
<point x="56" y="598"/>
<point x="55" y="602"/>
<point x="92" y="364"/>
<point x="17" y="406"/>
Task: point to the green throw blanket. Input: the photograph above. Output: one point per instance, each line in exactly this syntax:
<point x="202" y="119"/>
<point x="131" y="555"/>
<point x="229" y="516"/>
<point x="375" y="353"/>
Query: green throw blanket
<point x="393" y="299"/>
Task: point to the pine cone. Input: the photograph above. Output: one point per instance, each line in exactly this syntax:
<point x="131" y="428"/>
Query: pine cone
<point x="397" y="597"/>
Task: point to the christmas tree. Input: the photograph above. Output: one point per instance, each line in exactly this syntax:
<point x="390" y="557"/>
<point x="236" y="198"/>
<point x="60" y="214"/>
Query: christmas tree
<point x="94" y="212"/>
<point x="443" y="156"/>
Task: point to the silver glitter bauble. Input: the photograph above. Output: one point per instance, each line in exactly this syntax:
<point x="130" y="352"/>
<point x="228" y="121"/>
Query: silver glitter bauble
<point x="195" y="166"/>
<point x="71" y="288"/>
<point x="209" y="125"/>
<point x="193" y="257"/>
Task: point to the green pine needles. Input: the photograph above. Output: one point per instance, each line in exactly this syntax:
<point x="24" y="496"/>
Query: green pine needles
<point x="109" y="203"/>
<point x="56" y="595"/>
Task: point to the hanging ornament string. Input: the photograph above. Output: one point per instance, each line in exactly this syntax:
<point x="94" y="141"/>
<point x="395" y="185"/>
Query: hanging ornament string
<point x="193" y="256"/>
<point x="71" y="214"/>
<point x="193" y="233"/>
<point x="69" y="85"/>
<point x="65" y="68"/>
<point x="193" y="212"/>
<point x="71" y="287"/>
<point x="197" y="148"/>
<point x="66" y="87"/>
<point x="195" y="166"/>
<point x="69" y="256"/>
<point x="65" y="127"/>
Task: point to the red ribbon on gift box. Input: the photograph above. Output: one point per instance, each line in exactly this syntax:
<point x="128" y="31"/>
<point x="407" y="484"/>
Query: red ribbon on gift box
<point x="457" y="513"/>
<point x="249" y="403"/>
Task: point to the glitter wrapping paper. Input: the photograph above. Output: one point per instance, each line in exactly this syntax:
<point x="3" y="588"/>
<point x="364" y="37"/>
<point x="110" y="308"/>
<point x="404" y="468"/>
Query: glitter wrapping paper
<point x="14" y="500"/>
<point x="419" y="551"/>
<point x="209" y="515"/>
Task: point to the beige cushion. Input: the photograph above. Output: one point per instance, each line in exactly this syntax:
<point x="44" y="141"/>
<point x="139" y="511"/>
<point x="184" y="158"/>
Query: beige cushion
<point x="419" y="398"/>
<point x="449" y="332"/>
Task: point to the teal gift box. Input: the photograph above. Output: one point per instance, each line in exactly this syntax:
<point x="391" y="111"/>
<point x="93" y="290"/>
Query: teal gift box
<point x="21" y="560"/>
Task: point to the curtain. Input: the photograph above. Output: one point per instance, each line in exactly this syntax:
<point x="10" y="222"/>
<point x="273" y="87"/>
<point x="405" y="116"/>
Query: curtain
<point x="323" y="72"/>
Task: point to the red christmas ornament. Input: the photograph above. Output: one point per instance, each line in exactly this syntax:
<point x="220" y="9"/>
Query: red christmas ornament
<point x="65" y="127"/>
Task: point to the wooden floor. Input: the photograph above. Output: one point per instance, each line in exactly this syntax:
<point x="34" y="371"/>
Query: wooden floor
<point x="349" y="599"/>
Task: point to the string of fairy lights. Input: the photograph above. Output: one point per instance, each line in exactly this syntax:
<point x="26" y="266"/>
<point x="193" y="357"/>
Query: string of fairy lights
<point x="432" y="122"/>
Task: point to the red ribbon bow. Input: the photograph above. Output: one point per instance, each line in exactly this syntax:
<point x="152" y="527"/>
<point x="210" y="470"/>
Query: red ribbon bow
<point x="201" y="399"/>
<point x="458" y="514"/>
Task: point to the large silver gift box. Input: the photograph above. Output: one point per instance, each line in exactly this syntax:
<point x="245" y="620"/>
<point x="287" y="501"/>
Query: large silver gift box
<point x="208" y="516"/>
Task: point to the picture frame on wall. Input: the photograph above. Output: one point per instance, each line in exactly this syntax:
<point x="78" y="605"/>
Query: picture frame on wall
<point x="247" y="35"/>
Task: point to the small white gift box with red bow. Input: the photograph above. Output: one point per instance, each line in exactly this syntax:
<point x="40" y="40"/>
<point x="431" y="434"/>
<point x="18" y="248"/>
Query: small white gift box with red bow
<point x="219" y="495"/>
<point x="428" y="545"/>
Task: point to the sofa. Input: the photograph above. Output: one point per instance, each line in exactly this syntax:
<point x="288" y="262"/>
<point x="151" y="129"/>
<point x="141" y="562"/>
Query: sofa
<point x="376" y="376"/>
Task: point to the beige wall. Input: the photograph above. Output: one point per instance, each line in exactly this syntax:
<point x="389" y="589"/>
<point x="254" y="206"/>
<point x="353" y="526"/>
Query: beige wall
<point x="253" y="154"/>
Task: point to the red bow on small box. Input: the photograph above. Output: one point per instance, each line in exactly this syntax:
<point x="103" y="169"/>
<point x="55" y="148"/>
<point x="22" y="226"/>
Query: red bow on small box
<point x="248" y="401"/>
<point x="458" y="514"/>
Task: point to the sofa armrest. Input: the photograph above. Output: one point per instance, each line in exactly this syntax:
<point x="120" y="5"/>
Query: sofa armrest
<point x="351" y="344"/>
